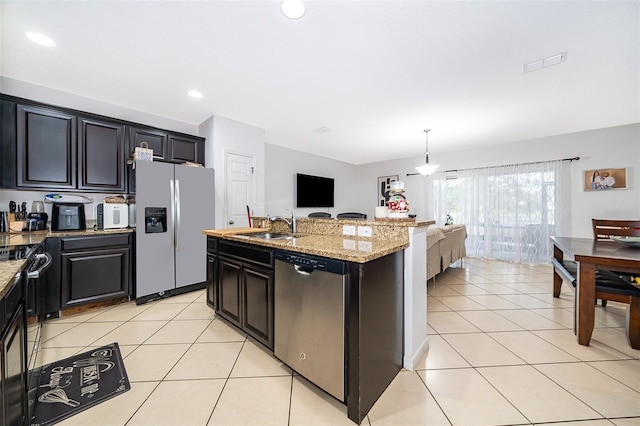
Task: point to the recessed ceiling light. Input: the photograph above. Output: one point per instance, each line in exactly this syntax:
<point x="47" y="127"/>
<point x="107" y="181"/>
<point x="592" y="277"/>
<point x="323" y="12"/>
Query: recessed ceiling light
<point x="292" y="9"/>
<point x="40" y="39"/>
<point x="194" y="94"/>
<point x="323" y="129"/>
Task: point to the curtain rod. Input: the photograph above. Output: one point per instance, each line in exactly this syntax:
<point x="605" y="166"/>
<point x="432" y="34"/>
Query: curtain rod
<point x="503" y="165"/>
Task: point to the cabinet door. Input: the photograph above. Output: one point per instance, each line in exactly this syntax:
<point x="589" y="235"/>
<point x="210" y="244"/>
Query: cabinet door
<point x="156" y="139"/>
<point x="229" y="290"/>
<point x="258" y="303"/>
<point x="93" y="276"/>
<point x="212" y="279"/>
<point x="46" y="154"/>
<point x="183" y="148"/>
<point x="101" y="155"/>
<point x="13" y="387"/>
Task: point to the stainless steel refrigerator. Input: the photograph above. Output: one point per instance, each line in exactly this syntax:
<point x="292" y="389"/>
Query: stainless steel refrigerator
<point x="174" y="203"/>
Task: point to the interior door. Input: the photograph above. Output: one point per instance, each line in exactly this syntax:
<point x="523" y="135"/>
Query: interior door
<point x="239" y="189"/>
<point x="194" y="212"/>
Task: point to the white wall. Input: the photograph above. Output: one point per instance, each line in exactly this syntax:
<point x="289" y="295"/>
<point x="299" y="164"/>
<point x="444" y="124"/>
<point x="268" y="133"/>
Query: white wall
<point x="613" y="147"/>
<point x="282" y="166"/>
<point x="229" y="136"/>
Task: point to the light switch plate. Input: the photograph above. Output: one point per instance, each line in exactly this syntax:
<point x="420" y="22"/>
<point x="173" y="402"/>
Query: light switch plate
<point x="364" y="231"/>
<point x="348" y="230"/>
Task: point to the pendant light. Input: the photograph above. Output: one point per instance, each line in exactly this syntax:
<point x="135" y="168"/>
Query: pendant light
<point x="427" y="169"/>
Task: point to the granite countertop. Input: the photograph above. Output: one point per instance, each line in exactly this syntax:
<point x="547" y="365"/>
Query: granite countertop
<point x="10" y="268"/>
<point x="350" y="249"/>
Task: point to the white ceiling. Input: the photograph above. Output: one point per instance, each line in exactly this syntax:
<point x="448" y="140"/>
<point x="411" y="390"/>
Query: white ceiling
<point x="375" y="72"/>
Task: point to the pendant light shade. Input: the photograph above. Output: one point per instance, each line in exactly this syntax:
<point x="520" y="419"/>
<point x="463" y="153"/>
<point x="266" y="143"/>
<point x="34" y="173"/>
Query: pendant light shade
<point x="427" y="169"/>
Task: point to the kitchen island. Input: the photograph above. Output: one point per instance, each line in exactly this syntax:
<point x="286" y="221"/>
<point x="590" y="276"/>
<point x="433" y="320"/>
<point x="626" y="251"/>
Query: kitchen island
<point x="373" y="298"/>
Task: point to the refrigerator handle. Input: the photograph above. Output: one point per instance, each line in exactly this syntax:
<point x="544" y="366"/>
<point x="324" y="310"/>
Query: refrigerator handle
<point x="177" y="224"/>
<point x="173" y="214"/>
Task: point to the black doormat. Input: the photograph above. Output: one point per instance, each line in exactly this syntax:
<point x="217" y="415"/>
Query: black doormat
<point x="74" y="384"/>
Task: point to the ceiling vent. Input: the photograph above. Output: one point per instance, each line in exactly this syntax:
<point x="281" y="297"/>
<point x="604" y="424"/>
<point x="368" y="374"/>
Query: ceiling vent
<point x="545" y="62"/>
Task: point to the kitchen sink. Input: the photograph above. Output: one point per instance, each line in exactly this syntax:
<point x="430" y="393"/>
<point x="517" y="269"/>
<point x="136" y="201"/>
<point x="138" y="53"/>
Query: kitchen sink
<point x="270" y="236"/>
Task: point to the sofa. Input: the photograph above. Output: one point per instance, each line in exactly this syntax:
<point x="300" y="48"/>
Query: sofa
<point x="445" y="245"/>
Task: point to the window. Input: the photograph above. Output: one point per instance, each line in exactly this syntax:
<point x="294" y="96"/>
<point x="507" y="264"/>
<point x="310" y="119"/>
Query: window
<point x="509" y="211"/>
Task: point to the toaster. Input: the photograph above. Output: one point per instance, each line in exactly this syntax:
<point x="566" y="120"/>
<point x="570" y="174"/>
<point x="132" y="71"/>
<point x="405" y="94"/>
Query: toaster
<point x="68" y="217"/>
<point x="112" y="216"/>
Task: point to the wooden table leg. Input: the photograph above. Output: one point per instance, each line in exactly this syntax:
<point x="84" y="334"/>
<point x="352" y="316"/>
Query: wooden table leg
<point x="585" y="309"/>
<point x="557" y="280"/>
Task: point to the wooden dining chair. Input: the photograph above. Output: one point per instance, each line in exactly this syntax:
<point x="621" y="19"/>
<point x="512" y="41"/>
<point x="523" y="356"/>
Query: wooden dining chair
<point x="614" y="285"/>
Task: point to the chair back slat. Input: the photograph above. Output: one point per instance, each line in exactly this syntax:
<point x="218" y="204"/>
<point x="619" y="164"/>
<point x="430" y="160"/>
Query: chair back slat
<point x="604" y="229"/>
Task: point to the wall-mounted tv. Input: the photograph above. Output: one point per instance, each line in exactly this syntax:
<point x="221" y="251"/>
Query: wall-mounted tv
<point x="314" y="191"/>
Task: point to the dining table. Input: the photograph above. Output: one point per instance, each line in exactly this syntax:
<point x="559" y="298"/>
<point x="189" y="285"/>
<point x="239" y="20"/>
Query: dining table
<point x="591" y="255"/>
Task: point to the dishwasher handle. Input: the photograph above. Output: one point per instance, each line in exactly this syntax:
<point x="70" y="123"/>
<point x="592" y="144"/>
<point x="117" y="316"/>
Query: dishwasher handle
<point x="303" y="270"/>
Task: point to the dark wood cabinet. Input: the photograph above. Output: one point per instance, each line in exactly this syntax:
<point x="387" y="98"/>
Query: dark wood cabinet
<point x="94" y="269"/>
<point x="86" y="269"/>
<point x="46" y="148"/>
<point x="185" y="148"/>
<point x="230" y="287"/>
<point x="101" y="155"/>
<point x="242" y="286"/>
<point x="13" y="365"/>
<point x="212" y="281"/>
<point x="257" y="298"/>
<point x="156" y="140"/>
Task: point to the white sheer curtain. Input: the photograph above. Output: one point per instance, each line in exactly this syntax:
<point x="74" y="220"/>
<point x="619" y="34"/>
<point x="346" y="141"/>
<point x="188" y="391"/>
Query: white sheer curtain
<point x="509" y="211"/>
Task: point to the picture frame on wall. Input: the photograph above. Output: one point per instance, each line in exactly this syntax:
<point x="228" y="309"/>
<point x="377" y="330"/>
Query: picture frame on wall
<point x="605" y="179"/>
<point x="384" y="184"/>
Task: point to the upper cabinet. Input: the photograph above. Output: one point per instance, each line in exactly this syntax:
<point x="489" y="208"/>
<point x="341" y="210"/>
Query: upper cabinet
<point x="186" y="148"/>
<point x="167" y="146"/>
<point x="44" y="147"/>
<point x="156" y="140"/>
<point x="101" y="155"/>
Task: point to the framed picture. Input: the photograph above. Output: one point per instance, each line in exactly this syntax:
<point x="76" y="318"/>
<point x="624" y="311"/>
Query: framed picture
<point x="605" y="179"/>
<point x="384" y="184"/>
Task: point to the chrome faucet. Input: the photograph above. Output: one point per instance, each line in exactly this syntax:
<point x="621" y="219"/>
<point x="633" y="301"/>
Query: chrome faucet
<point x="290" y="223"/>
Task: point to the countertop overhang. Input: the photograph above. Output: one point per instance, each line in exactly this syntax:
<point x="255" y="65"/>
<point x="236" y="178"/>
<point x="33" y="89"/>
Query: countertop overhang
<point x="350" y="249"/>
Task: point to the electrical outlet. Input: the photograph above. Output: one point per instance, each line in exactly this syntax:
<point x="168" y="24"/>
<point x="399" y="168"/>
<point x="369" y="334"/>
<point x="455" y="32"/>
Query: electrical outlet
<point x="349" y="244"/>
<point x="348" y="230"/>
<point x="364" y="231"/>
<point x="365" y="246"/>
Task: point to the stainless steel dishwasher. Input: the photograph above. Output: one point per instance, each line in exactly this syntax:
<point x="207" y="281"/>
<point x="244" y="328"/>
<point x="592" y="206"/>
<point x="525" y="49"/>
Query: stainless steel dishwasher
<point x="309" y="314"/>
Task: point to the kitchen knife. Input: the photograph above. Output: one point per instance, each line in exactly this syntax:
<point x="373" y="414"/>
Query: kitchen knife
<point x="23" y="211"/>
<point x="12" y="211"/>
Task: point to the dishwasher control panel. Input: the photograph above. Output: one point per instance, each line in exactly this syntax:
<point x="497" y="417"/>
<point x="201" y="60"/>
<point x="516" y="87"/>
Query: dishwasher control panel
<point x="312" y="262"/>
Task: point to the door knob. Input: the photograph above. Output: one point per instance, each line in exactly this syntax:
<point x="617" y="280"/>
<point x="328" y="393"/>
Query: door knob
<point x="230" y="222"/>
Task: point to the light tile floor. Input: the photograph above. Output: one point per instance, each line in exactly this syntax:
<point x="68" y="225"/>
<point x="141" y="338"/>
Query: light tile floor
<point x="502" y="352"/>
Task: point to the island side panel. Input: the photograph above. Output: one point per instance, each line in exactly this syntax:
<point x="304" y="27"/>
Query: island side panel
<point x="375" y="331"/>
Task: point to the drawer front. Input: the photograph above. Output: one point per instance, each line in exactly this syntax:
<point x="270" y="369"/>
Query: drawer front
<point x="98" y="241"/>
<point x="247" y="252"/>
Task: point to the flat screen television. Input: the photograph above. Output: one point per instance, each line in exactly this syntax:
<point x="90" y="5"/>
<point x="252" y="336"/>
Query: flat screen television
<point x="314" y="191"/>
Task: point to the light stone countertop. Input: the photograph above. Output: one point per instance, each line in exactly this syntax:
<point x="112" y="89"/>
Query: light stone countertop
<point x="350" y="249"/>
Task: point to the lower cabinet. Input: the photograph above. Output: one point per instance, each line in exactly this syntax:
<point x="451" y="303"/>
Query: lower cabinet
<point x="88" y="269"/>
<point x="241" y="288"/>
<point x="13" y="358"/>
